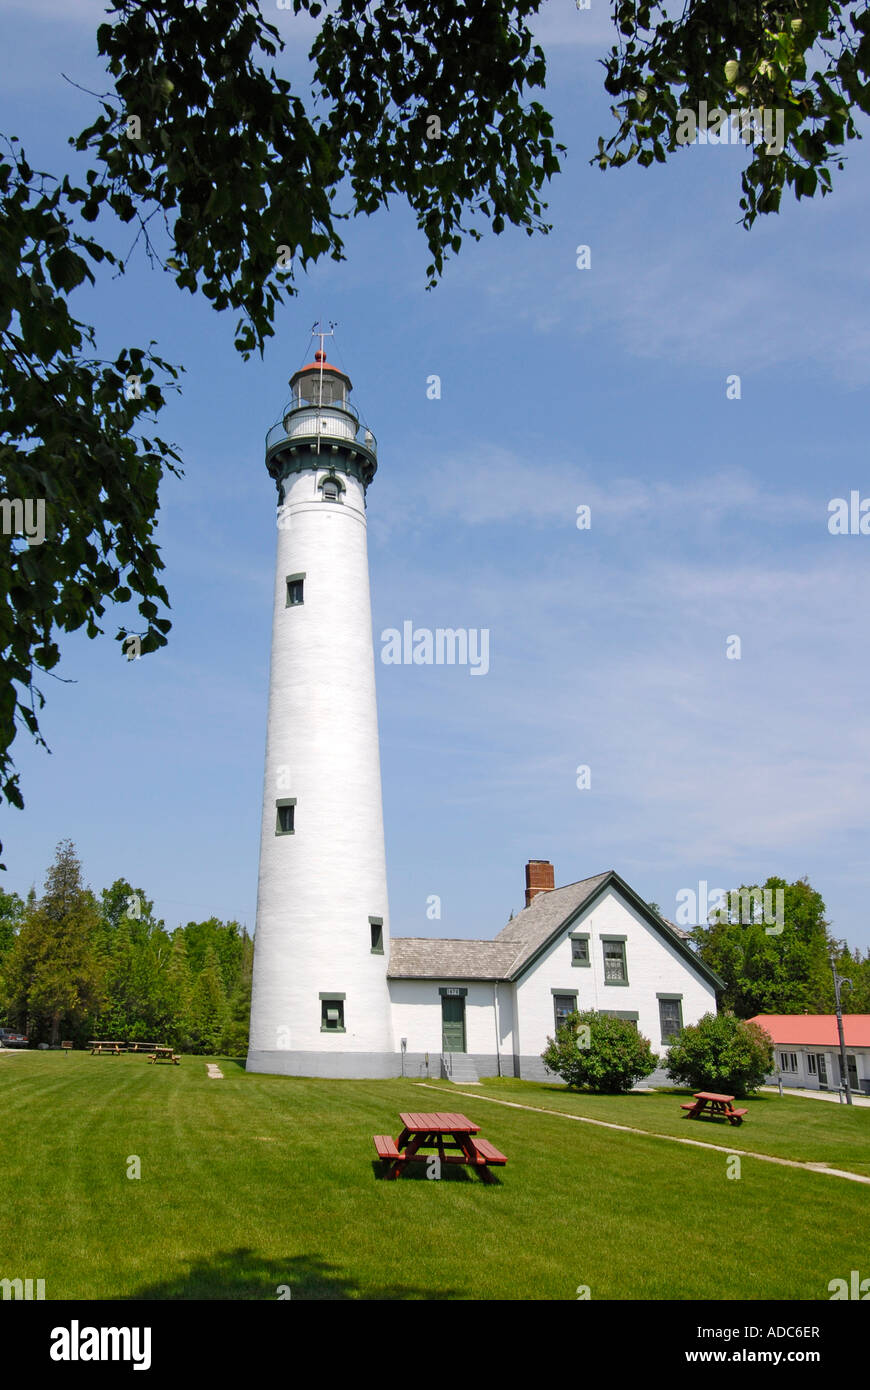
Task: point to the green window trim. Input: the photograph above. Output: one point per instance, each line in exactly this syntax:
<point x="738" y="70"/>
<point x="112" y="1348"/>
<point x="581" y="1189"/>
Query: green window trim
<point x="614" y="941"/>
<point x="284" y="801"/>
<point x="332" y="1018"/>
<point x="557" y="994"/>
<point x="631" y="1014"/>
<point x="293" y="579"/>
<point x="581" y="961"/>
<point x="377" y="929"/>
<point x="669" y="1036"/>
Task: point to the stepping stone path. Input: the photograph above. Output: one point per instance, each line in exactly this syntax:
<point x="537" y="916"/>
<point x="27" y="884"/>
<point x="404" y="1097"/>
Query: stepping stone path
<point x="214" y="1071"/>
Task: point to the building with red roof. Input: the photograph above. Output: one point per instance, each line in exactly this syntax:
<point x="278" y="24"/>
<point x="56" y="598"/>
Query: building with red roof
<point x="807" y="1049"/>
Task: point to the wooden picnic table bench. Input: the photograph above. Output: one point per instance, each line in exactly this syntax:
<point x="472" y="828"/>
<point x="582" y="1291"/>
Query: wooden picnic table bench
<point x="114" y="1048"/>
<point x="164" y="1054"/>
<point x="717" y="1107"/>
<point x="452" y="1135"/>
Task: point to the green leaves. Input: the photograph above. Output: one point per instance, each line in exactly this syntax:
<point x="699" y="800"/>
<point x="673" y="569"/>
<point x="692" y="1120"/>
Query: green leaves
<point x="70" y="446"/>
<point x="743" y="55"/>
<point x="595" y="1052"/>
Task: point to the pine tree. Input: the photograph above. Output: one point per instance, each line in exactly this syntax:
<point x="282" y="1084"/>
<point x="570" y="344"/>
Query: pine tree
<point x="209" y="1006"/>
<point x="52" y="973"/>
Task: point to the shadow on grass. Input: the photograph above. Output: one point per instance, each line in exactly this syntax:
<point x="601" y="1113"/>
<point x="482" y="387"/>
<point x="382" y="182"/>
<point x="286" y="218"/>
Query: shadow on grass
<point x="453" y="1172"/>
<point x="243" y="1274"/>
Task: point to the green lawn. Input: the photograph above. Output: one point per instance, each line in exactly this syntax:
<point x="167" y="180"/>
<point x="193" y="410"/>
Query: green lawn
<point x="254" y="1182"/>
<point x="810" y="1131"/>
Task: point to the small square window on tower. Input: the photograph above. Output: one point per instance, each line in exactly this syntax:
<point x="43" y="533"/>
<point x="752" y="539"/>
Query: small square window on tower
<point x="377" y="929"/>
<point x="286" y="816"/>
<point x="332" y="1013"/>
<point x="294" y="589"/>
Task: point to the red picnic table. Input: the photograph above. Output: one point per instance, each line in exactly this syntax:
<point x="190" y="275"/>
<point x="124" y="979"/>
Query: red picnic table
<point x="439" y="1131"/>
<point x="714" y="1105"/>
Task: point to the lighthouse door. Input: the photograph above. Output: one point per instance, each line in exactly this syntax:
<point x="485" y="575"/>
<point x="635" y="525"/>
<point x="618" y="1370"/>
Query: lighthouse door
<point x="452" y="1023"/>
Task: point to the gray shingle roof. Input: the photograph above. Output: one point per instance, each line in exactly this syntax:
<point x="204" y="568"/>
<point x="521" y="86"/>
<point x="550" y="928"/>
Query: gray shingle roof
<point x="422" y="957"/>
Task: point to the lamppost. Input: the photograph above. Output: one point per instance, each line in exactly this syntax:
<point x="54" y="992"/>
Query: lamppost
<point x="841" y="980"/>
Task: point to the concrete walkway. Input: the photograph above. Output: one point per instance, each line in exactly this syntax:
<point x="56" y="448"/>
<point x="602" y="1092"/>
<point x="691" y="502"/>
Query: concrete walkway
<point x="668" y="1138"/>
<point x="817" y="1095"/>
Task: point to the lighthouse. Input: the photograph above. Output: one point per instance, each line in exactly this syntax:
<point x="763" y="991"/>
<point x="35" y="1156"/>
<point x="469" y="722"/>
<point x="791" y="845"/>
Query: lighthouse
<point x="320" y="1003"/>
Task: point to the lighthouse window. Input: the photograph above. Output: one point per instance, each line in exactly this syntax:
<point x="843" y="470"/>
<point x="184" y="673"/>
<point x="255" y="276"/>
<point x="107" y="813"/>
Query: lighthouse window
<point x="294" y="589"/>
<point x="331" y="1013"/>
<point x="286" y="816"/>
<point x="330" y="490"/>
<point x="377" y="927"/>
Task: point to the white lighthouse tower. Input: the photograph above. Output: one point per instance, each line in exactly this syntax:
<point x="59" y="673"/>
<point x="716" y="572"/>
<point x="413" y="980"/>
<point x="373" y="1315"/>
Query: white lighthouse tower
<point x="321" y="1004"/>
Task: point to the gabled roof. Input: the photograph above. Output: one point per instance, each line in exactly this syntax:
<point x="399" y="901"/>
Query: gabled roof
<point x="816" y="1030"/>
<point x="526" y="937"/>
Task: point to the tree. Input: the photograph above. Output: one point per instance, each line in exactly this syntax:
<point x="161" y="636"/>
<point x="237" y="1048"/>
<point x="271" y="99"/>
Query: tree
<point x="176" y="995"/>
<point x="51" y="974"/>
<point x="748" y="56"/>
<point x="595" y="1052"/>
<point x="208" y="1006"/>
<point x="767" y="970"/>
<point x="417" y="101"/>
<point x="11" y="914"/>
<point x="235" y="1039"/>
<point x="721" y="1053"/>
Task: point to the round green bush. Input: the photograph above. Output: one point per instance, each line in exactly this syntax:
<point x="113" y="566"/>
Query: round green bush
<point x="721" y="1053"/>
<point x="595" y="1052"/>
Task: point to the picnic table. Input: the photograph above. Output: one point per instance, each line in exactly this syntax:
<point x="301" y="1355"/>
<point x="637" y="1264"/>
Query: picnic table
<point x="441" y="1131"/>
<point x="164" y="1054"/>
<point x="115" y="1048"/>
<point x="716" y="1106"/>
<point x="141" y="1047"/>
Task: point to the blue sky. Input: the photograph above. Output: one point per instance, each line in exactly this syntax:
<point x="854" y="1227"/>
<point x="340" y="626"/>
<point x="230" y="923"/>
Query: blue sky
<point x="560" y="387"/>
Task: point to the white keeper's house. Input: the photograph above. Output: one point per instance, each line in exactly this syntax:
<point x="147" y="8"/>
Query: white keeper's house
<point x="333" y="994"/>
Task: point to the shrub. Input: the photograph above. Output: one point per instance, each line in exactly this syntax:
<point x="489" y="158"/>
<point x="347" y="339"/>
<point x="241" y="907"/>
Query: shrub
<point x="721" y="1053"/>
<point x="608" y="1055"/>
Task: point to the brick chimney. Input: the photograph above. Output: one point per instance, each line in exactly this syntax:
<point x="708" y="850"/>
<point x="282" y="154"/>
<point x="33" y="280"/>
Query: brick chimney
<point x="539" y="878"/>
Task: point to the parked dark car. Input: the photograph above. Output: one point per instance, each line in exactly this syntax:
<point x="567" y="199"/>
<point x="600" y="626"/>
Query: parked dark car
<point x="9" y="1038"/>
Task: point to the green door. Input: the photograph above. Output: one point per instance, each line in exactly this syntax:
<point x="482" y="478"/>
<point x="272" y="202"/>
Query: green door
<point x="452" y="1023"/>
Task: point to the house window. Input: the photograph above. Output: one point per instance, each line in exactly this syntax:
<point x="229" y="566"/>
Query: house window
<point x="563" y="1005"/>
<point x="811" y="1063"/>
<point x="788" y="1061"/>
<point x="579" y="950"/>
<point x="294" y="589"/>
<point x="615" y="972"/>
<point x="377" y="929"/>
<point x="332" y="1013"/>
<point x="671" y="1018"/>
<point x="286" y="815"/>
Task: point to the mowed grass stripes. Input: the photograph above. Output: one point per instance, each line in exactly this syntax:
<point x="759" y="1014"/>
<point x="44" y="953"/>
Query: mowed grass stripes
<point x="256" y="1182"/>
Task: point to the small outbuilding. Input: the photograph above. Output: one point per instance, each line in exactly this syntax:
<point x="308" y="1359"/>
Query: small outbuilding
<point x="807" y="1049"/>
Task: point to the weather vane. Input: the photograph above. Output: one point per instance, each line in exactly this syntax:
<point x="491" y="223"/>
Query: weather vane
<point x="318" y="332"/>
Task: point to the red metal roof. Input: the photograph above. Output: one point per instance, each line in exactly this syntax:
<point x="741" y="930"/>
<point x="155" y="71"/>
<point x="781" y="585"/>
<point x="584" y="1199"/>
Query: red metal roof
<point x="817" y="1030"/>
<point x="315" y="366"/>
